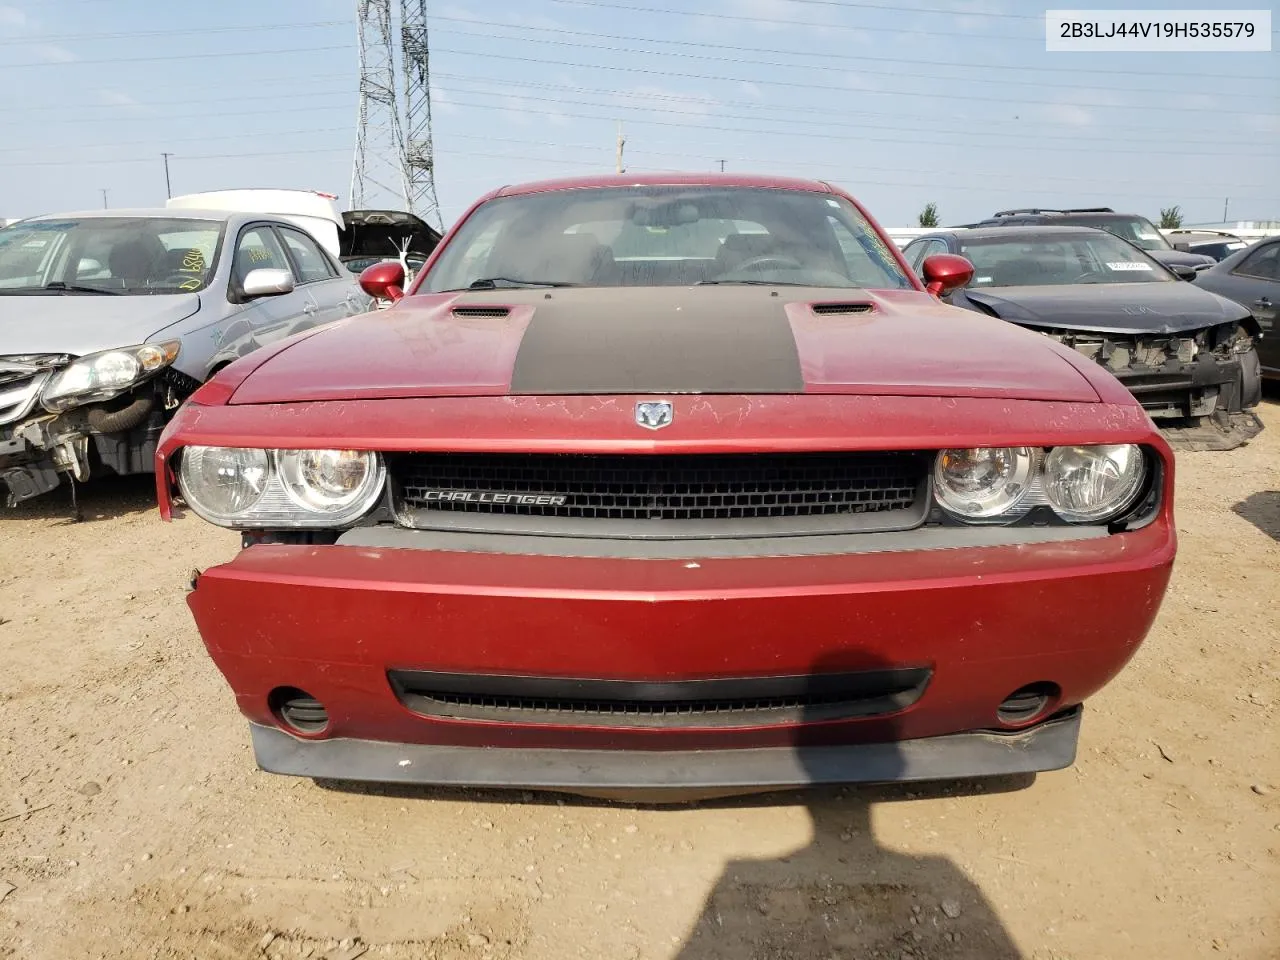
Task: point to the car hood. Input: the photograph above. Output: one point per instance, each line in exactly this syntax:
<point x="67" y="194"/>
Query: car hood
<point x="1174" y="258"/>
<point x="1107" y="307"/>
<point x="78" y="323"/>
<point x="668" y="340"/>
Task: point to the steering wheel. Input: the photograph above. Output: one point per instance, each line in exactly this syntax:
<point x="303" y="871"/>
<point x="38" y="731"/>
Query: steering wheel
<point x="755" y="263"/>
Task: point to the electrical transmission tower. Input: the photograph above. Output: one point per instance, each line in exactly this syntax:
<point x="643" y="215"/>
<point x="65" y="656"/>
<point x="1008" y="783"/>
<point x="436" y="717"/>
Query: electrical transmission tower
<point x="386" y="162"/>
<point x="420" y="163"/>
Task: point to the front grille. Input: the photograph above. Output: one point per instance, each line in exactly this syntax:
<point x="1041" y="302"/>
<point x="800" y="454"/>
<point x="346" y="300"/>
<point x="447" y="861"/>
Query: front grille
<point x="679" y="488"/>
<point x="690" y="704"/>
<point x="21" y="380"/>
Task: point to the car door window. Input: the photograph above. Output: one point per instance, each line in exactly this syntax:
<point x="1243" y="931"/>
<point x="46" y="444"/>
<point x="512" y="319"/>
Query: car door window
<point x="1263" y="263"/>
<point x="922" y="249"/>
<point x="312" y="264"/>
<point x="258" y="249"/>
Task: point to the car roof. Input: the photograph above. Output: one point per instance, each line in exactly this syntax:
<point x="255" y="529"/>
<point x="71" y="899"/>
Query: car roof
<point x="1051" y="216"/>
<point x="1011" y="233"/>
<point x="665" y="179"/>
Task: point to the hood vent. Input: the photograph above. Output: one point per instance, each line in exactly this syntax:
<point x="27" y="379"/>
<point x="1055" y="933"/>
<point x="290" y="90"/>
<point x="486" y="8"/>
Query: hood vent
<point x="840" y="309"/>
<point x="481" y="313"/>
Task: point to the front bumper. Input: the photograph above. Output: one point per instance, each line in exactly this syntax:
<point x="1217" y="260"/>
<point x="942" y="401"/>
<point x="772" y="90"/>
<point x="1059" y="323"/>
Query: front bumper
<point x="334" y="621"/>
<point x="1047" y="746"/>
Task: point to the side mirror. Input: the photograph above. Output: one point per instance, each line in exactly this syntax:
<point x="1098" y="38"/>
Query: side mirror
<point x="1184" y="271"/>
<point x="383" y="281"/>
<point x="945" y="272"/>
<point x="267" y="282"/>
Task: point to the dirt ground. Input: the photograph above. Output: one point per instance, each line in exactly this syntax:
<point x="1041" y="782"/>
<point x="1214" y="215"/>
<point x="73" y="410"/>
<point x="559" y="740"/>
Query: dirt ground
<point x="133" y="823"/>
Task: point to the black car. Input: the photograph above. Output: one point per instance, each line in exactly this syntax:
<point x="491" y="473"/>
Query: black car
<point x="1128" y="226"/>
<point x="1212" y="243"/>
<point x="1188" y="355"/>
<point x="1251" y="277"/>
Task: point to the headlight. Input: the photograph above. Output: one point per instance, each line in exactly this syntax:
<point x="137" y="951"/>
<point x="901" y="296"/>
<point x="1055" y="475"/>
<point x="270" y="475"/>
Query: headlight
<point x="328" y="481"/>
<point x="254" y="489"/>
<point x="100" y="376"/>
<point x="1086" y="484"/>
<point x="983" y="483"/>
<point x="222" y="483"/>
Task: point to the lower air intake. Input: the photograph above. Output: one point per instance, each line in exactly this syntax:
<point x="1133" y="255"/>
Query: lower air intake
<point x="689" y="704"/>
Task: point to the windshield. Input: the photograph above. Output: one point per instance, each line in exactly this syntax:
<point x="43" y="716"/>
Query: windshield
<point x="666" y="236"/>
<point x="1139" y="231"/>
<point x="120" y="255"/>
<point x="1058" y="260"/>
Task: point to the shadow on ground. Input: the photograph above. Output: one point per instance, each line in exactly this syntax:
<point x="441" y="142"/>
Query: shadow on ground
<point x="1262" y="509"/>
<point x="843" y="895"/>
<point x="101" y="498"/>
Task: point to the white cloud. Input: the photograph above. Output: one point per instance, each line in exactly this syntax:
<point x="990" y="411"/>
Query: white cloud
<point x="1263" y="122"/>
<point x="1085" y="114"/>
<point x="675" y="105"/>
<point x="54" y="53"/>
<point x="442" y="100"/>
<point x="1202" y="101"/>
<point x="750" y="89"/>
<point x="12" y="17"/>
<point x="557" y="119"/>
<point x="1069" y="114"/>
<point x="117" y="98"/>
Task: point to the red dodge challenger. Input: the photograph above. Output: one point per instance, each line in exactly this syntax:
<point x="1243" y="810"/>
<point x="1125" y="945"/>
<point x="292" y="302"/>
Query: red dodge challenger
<point x="670" y="483"/>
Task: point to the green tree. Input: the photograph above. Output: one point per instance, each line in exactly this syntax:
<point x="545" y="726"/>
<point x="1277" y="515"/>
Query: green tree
<point x="1170" y="218"/>
<point x="929" y="215"/>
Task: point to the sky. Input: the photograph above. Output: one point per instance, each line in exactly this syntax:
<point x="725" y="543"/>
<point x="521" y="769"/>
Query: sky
<point x="954" y="102"/>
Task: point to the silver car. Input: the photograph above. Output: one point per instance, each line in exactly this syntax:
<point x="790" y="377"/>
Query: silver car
<point x="111" y="319"/>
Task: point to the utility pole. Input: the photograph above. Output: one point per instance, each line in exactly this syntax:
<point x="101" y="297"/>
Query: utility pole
<point x="622" y="142"/>
<point x="722" y="166"/>
<point x="168" y="190"/>
<point x="104" y="198"/>
<point x="1225" y="203"/>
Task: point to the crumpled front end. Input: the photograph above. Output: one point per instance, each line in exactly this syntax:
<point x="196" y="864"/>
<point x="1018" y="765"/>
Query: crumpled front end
<point x="39" y="447"/>
<point x="1198" y="385"/>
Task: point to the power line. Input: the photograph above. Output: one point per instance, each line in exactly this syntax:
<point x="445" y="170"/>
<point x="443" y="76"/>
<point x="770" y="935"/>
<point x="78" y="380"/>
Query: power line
<point x="163" y="139"/>
<point x="148" y="34"/>
<point x="985" y="135"/>
<point x="824" y="112"/>
<point x="186" y="56"/>
<point x="860" y="58"/>
<point x="801" y="66"/>
<point x="831" y="87"/>
<point x="743" y="18"/>
<point x="853" y="138"/>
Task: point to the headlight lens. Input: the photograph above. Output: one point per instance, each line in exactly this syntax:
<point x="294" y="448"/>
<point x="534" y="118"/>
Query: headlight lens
<point x="100" y="376"/>
<point x="252" y="489"/>
<point x="1093" y="483"/>
<point x="222" y="483"/>
<point x="328" y="481"/>
<point x="984" y="482"/>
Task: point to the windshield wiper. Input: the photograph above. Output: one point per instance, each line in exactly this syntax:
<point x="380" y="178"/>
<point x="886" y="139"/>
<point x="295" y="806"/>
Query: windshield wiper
<point x="79" y="288"/>
<point x="756" y="283"/>
<point x="493" y="283"/>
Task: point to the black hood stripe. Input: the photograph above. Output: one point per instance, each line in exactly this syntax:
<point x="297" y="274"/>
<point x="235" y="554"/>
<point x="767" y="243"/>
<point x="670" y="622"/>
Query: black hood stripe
<point x="658" y="340"/>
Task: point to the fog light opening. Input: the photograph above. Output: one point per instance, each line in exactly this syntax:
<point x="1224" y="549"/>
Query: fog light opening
<point x="298" y="710"/>
<point x="1028" y="704"/>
